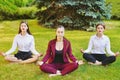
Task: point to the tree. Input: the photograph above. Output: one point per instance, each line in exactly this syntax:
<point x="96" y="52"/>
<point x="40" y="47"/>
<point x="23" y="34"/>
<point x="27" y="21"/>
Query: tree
<point x="73" y="14"/>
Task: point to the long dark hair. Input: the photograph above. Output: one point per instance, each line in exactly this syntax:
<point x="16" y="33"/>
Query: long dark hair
<point x="28" y="31"/>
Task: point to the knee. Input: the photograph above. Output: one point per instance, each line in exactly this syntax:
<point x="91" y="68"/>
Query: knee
<point x="85" y="55"/>
<point x="113" y="58"/>
<point x="42" y="67"/>
<point x="75" y="65"/>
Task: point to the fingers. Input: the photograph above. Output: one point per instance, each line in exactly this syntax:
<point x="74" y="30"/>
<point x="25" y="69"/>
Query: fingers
<point x="82" y="50"/>
<point x="117" y="54"/>
<point x="41" y="54"/>
<point x="2" y="54"/>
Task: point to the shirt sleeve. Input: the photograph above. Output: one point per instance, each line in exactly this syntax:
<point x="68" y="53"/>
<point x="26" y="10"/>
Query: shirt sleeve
<point x="33" y="50"/>
<point x="108" y="47"/>
<point x="48" y="53"/>
<point x="90" y="45"/>
<point x="69" y="51"/>
<point x="14" y="46"/>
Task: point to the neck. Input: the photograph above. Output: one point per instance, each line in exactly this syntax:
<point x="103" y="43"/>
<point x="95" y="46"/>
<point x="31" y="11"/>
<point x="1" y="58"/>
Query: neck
<point x="59" y="39"/>
<point x="23" y="33"/>
<point x="99" y="35"/>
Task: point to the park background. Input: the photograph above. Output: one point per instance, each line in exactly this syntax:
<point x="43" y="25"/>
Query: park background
<point x="78" y="38"/>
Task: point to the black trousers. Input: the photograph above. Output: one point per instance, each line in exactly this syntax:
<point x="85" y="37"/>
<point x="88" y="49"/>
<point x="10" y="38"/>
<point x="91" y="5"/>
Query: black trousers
<point x="100" y="57"/>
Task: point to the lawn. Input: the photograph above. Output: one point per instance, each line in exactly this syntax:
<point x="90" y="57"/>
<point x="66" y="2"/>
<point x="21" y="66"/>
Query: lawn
<point x="79" y="39"/>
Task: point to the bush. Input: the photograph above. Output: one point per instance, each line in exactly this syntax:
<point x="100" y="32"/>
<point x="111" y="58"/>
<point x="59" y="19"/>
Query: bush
<point x="26" y="12"/>
<point x="6" y="10"/>
<point x="16" y="9"/>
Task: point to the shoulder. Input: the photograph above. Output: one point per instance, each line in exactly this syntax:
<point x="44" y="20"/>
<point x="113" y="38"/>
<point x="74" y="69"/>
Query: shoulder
<point x="17" y="36"/>
<point x="66" y="40"/>
<point x="105" y="37"/>
<point x="93" y="37"/>
<point x="30" y="36"/>
<point x="52" y="41"/>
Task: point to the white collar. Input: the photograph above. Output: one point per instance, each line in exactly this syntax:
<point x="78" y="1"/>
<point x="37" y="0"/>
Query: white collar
<point x="99" y="37"/>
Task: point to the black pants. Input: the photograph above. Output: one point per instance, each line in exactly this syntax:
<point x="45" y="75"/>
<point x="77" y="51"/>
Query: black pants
<point x="100" y="57"/>
<point x="23" y="55"/>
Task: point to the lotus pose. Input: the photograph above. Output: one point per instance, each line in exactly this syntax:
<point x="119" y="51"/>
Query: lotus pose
<point x="99" y="45"/>
<point x="26" y="46"/>
<point x="59" y="59"/>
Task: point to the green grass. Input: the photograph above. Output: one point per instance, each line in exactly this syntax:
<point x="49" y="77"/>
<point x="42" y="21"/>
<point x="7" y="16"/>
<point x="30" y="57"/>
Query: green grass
<point x="79" y="39"/>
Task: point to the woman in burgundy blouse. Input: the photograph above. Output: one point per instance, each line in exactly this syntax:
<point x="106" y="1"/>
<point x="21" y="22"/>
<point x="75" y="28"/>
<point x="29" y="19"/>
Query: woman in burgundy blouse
<point x="59" y="59"/>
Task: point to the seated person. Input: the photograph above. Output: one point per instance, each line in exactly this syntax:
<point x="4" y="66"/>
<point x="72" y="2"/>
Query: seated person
<point x="26" y="46"/>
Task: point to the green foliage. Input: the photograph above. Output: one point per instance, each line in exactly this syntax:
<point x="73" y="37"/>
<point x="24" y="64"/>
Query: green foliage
<point x="26" y="12"/>
<point x="73" y="14"/>
<point x="23" y="3"/>
<point x="7" y="9"/>
<point x="16" y="9"/>
<point x="115" y="8"/>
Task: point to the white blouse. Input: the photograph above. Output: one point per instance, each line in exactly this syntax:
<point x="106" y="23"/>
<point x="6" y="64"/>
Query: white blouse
<point x="99" y="45"/>
<point x="24" y="43"/>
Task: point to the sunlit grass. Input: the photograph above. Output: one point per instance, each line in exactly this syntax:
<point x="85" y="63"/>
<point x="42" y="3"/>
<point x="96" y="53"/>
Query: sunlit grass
<point x="79" y="39"/>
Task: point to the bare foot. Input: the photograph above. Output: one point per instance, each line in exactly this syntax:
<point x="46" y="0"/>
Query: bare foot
<point x="57" y="73"/>
<point x="51" y="75"/>
<point x="96" y="63"/>
<point x="16" y="62"/>
<point x="91" y="63"/>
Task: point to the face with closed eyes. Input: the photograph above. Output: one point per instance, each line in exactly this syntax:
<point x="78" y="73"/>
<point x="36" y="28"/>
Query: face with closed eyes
<point x="23" y="27"/>
<point x="100" y="29"/>
<point x="60" y="32"/>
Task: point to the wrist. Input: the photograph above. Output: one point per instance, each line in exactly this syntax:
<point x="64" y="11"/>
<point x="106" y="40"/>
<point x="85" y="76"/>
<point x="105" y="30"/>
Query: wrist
<point x="76" y="61"/>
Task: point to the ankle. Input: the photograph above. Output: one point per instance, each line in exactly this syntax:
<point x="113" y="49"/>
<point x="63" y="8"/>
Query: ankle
<point x="98" y="62"/>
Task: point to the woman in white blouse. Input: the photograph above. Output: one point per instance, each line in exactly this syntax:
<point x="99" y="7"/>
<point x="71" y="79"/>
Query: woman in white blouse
<point x="99" y="44"/>
<point x="26" y="46"/>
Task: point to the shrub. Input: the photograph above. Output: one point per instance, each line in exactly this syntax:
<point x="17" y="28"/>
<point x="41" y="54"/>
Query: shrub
<point x="16" y="9"/>
<point x="26" y="12"/>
